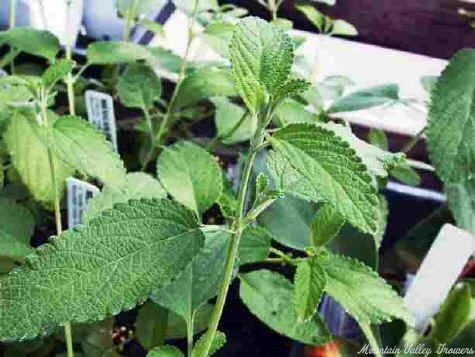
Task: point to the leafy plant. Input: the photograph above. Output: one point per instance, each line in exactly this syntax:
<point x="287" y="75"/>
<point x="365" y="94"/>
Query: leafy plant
<point x="170" y="239"/>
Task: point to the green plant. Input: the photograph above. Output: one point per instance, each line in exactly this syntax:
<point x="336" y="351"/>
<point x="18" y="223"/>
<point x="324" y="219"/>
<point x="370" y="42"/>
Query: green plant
<point x="303" y="180"/>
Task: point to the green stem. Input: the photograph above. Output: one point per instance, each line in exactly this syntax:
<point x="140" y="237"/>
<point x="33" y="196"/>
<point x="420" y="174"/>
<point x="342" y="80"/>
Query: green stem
<point x="235" y="239"/>
<point x="151" y="148"/>
<point x="189" y="336"/>
<point x="130" y="16"/>
<point x="12" y="24"/>
<point x="69" y="77"/>
<point x="57" y="209"/>
<point x="181" y="75"/>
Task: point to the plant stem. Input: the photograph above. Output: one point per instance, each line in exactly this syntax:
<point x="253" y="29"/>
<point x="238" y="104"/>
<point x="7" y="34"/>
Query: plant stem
<point x="12" y="24"/>
<point x="151" y="148"/>
<point x="181" y="75"/>
<point x="130" y="16"/>
<point x="57" y="210"/>
<point x="69" y="77"/>
<point x="189" y="336"/>
<point x="235" y="239"/>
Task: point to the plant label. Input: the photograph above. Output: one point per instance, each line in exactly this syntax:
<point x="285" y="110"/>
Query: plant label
<point x="79" y="194"/>
<point x="100" y="112"/>
<point x="438" y="272"/>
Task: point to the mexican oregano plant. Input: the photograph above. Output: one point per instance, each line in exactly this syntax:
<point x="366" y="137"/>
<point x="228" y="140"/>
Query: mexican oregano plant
<point x="138" y="246"/>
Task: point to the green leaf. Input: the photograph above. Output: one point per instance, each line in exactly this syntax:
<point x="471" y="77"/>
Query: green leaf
<point x="310" y="280"/>
<point x="406" y="174"/>
<point x="140" y="8"/>
<point x="378" y="138"/>
<point x="177" y="326"/>
<point x="56" y="72"/>
<point x="218" y="342"/>
<point x="290" y="209"/>
<point x="199" y="282"/>
<point x="290" y="111"/>
<point x="204" y="83"/>
<point x="165" y="59"/>
<point x="165" y="351"/>
<point x="219" y="34"/>
<point x="151" y="325"/>
<point x="107" y="52"/>
<point x="267" y="296"/>
<point x="16" y="228"/>
<point x="359" y="289"/>
<point x="191" y="175"/>
<point x="35" y="42"/>
<point x="227" y="201"/>
<point x="343" y="28"/>
<point x="313" y="15"/>
<point x="87" y="267"/>
<point x="261" y="55"/>
<point x="451" y="127"/>
<point x="25" y="142"/>
<point x="461" y="200"/>
<point x="83" y="147"/>
<point x="333" y="169"/>
<point x="366" y="98"/>
<point x="227" y="116"/>
<point x="139" y="86"/>
<point x="254" y="245"/>
<point x="454" y="315"/>
<point x="428" y="83"/>
<point x="325" y="226"/>
<point x="137" y="185"/>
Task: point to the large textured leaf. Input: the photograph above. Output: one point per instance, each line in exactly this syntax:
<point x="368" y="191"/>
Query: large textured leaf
<point x="310" y="280"/>
<point x="366" y="98"/>
<point x="191" y="175"/>
<point x="451" y="129"/>
<point x="332" y="168"/>
<point x="16" y="228"/>
<point x="199" y="282"/>
<point x="35" y="42"/>
<point x="29" y="153"/>
<point x="228" y="116"/>
<point x="267" y="295"/>
<point x="107" y="52"/>
<point x="359" y="289"/>
<point x="203" y="83"/>
<point x="83" y="147"/>
<point x="261" y="55"/>
<point x="139" y="86"/>
<point x="93" y="271"/>
<point x="137" y="185"/>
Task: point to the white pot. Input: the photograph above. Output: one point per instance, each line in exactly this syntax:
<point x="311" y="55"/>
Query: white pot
<point x="57" y="17"/>
<point x="101" y="20"/>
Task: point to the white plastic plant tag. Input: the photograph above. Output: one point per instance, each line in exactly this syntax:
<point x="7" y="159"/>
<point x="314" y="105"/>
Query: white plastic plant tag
<point x="438" y="272"/>
<point x="3" y="73"/>
<point x="79" y="193"/>
<point x="100" y="112"/>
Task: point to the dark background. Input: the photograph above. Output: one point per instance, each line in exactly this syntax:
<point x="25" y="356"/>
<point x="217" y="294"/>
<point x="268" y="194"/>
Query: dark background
<point x="429" y="27"/>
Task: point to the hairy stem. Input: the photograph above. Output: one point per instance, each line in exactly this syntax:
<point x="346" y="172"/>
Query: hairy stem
<point x="57" y="210"/>
<point x="181" y="75"/>
<point x="238" y="226"/>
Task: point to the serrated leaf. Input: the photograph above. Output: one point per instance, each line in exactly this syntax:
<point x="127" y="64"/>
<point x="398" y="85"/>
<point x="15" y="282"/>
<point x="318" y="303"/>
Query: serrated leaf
<point x="139" y="86"/>
<point x="333" y="169"/>
<point x="290" y="209"/>
<point x="191" y="175"/>
<point x="227" y="116"/>
<point x="16" y="228"/>
<point x="325" y="226"/>
<point x="165" y="351"/>
<point x="218" y="34"/>
<point x="203" y="83"/>
<point x="451" y="127"/>
<point x="359" y="289"/>
<point x="83" y="147"/>
<point x="267" y="296"/>
<point x="199" y="282"/>
<point x="108" y="52"/>
<point x="254" y="245"/>
<point x="56" y="72"/>
<point x="261" y="55"/>
<point x="35" y="42"/>
<point x="89" y="268"/>
<point x="366" y="98"/>
<point x="137" y="185"/>
<point x="26" y="144"/>
<point x="218" y="342"/>
<point x="309" y="283"/>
